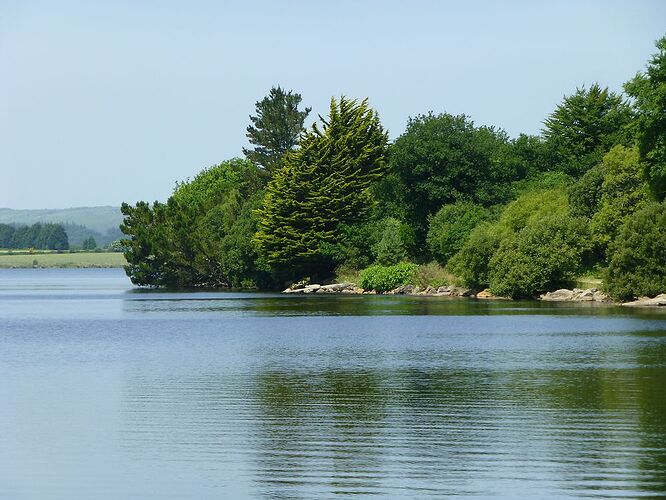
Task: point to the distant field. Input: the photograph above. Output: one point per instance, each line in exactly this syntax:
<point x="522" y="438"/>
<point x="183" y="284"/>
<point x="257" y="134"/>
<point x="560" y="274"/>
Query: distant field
<point x="79" y="259"/>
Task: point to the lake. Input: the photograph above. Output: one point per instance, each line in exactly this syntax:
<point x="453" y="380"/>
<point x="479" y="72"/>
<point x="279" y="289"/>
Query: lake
<point x="113" y="392"/>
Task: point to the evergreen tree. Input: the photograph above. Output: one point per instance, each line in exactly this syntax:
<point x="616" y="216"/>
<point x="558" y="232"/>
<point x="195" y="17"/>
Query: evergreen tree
<point x="324" y="184"/>
<point x="275" y="129"/>
<point x="649" y="91"/>
<point x="585" y="126"/>
<point x="89" y="243"/>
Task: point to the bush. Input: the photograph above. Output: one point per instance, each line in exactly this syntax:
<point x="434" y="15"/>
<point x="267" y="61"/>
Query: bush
<point x="450" y="227"/>
<point x="431" y="274"/>
<point x="471" y="263"/>
<point x="533" y="206"/>
<point x="544" y="255"/>
<point x="393" y="239"/>
<point x="384" y="278"/>
<point x="638" y="255"/>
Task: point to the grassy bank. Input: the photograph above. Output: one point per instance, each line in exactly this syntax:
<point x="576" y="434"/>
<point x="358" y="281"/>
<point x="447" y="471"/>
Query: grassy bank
<point x="62" y="260"/>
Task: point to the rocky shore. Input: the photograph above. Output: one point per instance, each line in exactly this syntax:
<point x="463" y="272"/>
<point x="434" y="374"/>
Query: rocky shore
<point x="352" y="288"/>
<point x="561" y="295"/>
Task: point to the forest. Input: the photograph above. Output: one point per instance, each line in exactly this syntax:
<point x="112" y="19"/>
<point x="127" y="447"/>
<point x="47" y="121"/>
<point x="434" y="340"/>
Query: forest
<point x="446" y="201"/>
<point x="38" y="236"/>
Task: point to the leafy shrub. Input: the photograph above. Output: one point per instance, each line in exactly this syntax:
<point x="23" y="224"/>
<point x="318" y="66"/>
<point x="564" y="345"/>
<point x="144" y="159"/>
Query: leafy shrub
<point x="623" y="191"/>
<point x="450" y="227"/>
<point x="638" y="256"/>
<point x="384" y="278"/>
<point x="544" y="255"/>
<point x="531" y="207"/>
<point x="431" y="274"/>
<point x="585" y="194"/>
<point x="471" y="263"/>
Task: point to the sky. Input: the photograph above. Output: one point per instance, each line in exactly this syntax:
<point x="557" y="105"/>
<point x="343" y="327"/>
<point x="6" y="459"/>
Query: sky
<point x="105" y="102"/>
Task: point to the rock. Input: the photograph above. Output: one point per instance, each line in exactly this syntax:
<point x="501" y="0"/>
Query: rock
<point x="600" y="296"/>
<point x="429" y="291"/>
<point x="586" y="295"/>
<point x="311" y="288"/>
<point x="336" y="287"/>
<point x="558" y="295"/>
<point x="408" y="289"/>
<point x="416" y="290"/>
<point x="658" y="301"/>
<point x="485" y="294"/>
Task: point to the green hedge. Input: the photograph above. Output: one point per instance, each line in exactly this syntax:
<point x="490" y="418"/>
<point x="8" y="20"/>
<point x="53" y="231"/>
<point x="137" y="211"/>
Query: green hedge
<point x="384" y="278"/>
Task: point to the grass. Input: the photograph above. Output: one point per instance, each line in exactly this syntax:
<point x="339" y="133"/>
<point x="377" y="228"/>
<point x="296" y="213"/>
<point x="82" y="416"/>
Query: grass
<point x="62" y="260"/>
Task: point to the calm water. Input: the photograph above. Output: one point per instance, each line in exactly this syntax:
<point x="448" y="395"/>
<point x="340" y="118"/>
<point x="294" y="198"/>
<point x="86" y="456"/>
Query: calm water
<point x="108" y="392"/>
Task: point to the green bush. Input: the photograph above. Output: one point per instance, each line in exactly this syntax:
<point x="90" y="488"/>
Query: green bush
<point x="450" y="227"/>
<point x="638" y="256"/>
<point x="471" y="264"/>
<point x="533" y="206"/>
<point x="392" y="241"/>
<point x="431" y="274"/>
<point x="544" y="255"/>
<point x="384" y="278"/>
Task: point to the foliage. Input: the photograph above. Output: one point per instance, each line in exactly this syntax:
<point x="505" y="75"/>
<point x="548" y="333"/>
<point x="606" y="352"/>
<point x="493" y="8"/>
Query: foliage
<point x="431" y="274"/>
<point x="649" y="92"/>
<point x="450" y="227"/>
<point x="275" y="129"/>
<point x="533" y="206"/>
<point x="322" y="186"/>
<point x="544" y="255"/>
<point x="622" y="193"/>
<point x="89" y="244"/>
<point x="393" y="241"/>
<point x="585" y="126"/>
<point x="39" y="236"/>
<point x="585" y="193"/>
<point x="472" y="262"/>
<point x="384" y="278"/>
<point x="637" y="264"/>
<point x="441" y="159"/>
<point x="189" y="240"/>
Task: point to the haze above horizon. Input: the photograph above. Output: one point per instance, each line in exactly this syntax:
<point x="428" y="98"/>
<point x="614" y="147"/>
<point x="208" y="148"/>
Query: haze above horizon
<point x="108" y="102"/>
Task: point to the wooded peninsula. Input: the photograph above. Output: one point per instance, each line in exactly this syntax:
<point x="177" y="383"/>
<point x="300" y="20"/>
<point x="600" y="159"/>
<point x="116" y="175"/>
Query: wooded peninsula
<point x="446" y="202"/>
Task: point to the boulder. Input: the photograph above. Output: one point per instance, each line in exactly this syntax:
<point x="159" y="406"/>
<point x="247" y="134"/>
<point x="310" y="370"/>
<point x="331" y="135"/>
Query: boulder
<point x="559" y="295"/>
<point x="658" y="301"/>
<point x="485" y="294"/>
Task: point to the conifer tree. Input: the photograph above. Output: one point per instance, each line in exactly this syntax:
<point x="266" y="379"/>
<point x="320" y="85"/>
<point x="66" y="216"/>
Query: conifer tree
<point x="323" y="184"/>
<point x="275" y="129"/>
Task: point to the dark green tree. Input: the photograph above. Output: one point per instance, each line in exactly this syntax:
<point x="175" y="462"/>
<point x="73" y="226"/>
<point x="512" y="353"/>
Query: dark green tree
<point x="638" y="256"/>
<point x="323" y="185"/>
<point x="275" y="129"/>
<point x="585" y="126"/>
<point x="89" y="243"/>
<point x="450" y="227"/>
<point x="441" y="159"/>
<point x="649" y="92"/>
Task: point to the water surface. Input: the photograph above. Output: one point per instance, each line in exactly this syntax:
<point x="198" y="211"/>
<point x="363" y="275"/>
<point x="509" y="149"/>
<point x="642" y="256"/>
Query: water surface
<point x="110" y="392"/>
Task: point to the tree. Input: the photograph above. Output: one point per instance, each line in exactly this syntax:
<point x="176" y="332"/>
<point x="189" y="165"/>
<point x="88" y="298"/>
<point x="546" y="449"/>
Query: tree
<point x="649" y="92"/>
<point x="638" y="256"/>
<point x="544" y="255"/>
<point x="323" y="185"/>
<point x="623" y="191"/>
<point x="89" y="243"/>
<point x="585" y="126"/>
<point x="189" y="240"/>
<point x="393" y="242"/>
<point x="441" y="159"/>
<point x="275" y="129"/>
<point x="450" y="227"/>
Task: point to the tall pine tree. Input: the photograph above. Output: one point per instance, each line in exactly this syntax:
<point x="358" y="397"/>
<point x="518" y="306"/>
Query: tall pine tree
<point x="275" y="129"/>
<point x="323" y="184"/>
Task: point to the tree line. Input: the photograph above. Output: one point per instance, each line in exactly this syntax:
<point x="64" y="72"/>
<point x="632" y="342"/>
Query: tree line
<point x="38" y="236"/>
<point x="516" y="215"/>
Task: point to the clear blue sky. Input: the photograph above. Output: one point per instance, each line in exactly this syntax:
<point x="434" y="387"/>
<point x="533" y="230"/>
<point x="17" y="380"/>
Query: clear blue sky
<point x="103" y="102"/>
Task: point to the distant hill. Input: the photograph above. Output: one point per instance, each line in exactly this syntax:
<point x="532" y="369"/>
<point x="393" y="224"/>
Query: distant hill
<point x="98" y="219"/>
